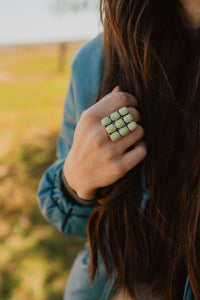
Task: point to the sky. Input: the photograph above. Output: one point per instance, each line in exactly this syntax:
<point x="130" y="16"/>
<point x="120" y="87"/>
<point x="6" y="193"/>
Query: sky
<point x="35" y="21"/>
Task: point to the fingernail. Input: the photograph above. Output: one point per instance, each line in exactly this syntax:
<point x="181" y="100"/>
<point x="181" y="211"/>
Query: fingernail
<point x="116" y="89"/>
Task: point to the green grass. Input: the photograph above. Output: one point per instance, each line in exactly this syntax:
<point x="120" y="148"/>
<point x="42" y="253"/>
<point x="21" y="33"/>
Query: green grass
<point x="35" y="259"/>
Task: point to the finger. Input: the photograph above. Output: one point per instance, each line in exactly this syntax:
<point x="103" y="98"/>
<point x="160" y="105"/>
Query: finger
<point x="130" y="159"/>
<point x="116" y="89"/>
<point x="132" y="110"/>
<point x="135" y="114"/>
<point x="112" y="102"/>
<point x="130" y="139"/>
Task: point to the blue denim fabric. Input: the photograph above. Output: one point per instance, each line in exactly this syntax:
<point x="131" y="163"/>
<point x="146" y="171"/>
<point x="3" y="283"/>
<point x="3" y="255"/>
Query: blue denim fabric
<point x="65" y="215"/>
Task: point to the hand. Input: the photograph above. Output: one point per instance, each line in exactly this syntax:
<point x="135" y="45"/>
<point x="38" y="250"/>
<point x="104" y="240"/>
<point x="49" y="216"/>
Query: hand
<point x="95" y="160"/>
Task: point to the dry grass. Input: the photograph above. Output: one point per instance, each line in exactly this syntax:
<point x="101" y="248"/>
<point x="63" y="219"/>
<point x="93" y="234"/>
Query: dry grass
<point x="35" y="259"/>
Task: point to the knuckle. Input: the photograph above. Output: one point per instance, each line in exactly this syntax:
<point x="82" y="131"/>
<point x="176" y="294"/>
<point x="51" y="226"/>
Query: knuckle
<point x="135" y="114"/>
<point x="87" y="117"/>
<point x="128" y="99"/>
<point x="84" y="114"/>
<point x="97" y="139"/>
<point x="118" y="169"/>
<point x="121" y="98"/>
<point x="124" y="99"/>
<point x="131" y="99"/>
<point x="110" y="154"/>
<point x="134" y="100"/>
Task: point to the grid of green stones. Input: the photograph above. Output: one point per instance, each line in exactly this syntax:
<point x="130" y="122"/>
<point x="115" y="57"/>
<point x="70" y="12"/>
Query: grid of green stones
<point x="119" y="123"/>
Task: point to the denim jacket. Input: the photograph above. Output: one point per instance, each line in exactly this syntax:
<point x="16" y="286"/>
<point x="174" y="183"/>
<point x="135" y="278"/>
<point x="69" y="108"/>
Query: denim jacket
<point x="59" y="209"/>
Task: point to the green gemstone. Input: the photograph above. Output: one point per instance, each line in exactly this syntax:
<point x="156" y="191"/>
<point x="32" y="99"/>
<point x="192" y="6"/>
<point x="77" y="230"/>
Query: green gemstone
<point x="124" y="131"/>
<point x="114" y="116"/>
<point x="119" y="123"/>
<point x="123" y="111"/>
<point x="128" y="118"/>
<point x="132" y="126"/>
<point x="106" y="121"/>
<point x="115" y="136"/>
<point x="110" y="128"/>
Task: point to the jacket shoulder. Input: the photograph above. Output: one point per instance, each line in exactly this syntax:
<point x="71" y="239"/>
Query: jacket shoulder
<point x="87" y="67"/>
<point x="91" y="52"/>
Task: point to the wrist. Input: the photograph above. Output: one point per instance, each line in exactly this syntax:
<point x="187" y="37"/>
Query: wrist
<point x="87" y="196"/>
<point x="83" y="199"/>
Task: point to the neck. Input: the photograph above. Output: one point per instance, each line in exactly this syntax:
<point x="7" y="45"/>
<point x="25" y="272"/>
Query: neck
<point x="192" y="12"/>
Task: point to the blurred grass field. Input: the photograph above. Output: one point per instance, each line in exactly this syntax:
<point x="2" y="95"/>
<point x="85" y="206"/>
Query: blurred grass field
<point x="35" y="259"/>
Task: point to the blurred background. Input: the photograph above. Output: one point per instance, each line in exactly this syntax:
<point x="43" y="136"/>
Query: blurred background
<point x="37" y="41"/>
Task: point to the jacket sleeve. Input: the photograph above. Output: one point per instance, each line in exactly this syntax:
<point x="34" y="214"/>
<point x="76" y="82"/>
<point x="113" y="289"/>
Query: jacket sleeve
<point x="56" y="205"/>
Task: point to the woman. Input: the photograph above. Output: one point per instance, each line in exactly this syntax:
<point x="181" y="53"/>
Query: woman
<point x="146" y="239"/>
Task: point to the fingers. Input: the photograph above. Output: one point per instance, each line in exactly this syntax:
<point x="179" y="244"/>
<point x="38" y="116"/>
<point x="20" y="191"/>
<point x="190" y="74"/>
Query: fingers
<point x="132" y="158"/>
<point x="112" y="102"/>
<point x="135" y="114"/>
<point x="130" y="139"/>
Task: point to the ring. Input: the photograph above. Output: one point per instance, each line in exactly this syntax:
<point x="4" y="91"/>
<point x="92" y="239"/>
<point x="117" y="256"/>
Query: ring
<point x="119" y="123"/>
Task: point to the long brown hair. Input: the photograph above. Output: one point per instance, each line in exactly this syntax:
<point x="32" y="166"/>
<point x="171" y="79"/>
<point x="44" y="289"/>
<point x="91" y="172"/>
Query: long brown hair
<point x="149" y="53"/>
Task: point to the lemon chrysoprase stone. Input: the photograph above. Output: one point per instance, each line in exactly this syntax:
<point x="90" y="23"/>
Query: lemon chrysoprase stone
<point x="124" y="131"/>
<point x="128" y="118"/>
<point x="123" y="111"/>
<point x="132" y="126"/>
<point x="115" y="136"/>
<point x="114" y="116"/>
<point x="110" y="128"/>
<point x="119" y="123"/>
<point x="106" y="121"/>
